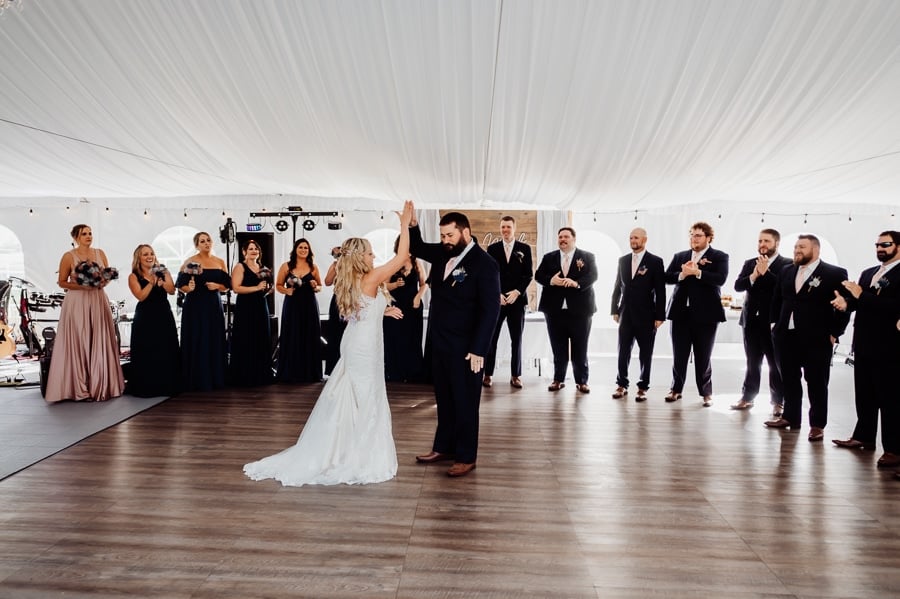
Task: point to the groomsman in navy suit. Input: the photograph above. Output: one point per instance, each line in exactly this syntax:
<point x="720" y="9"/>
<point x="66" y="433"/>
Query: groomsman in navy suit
<point x="876" y="350"/>
<point x="757" y="281"/>
<point x="806" y="327"/>
<point x="514" y="260"/>
<point x="567" y="301"/>
<point x="465" y="285"/>
<point x="639" y="308"/>
<point x="695" y="309"/>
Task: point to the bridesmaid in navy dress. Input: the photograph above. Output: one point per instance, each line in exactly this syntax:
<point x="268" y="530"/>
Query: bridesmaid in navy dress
<point x="251" y="345"/>
<point x="202" y="277"/>
<point x="300" y="344"/>
<point x="403" y="337"/>
<point x="155" y="366"/>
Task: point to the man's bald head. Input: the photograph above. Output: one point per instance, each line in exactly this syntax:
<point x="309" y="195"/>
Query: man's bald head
<point x="637" y="239"/>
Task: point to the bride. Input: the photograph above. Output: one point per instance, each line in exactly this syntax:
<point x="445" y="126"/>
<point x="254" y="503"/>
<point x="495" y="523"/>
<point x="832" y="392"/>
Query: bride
<point x="347" y="438"/>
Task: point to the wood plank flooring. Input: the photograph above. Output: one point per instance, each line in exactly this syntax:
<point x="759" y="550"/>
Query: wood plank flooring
<point x="574" y="496"/>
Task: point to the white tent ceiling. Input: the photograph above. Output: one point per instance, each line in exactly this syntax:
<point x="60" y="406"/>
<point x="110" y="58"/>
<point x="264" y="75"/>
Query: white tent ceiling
<point x="582" y="105"/>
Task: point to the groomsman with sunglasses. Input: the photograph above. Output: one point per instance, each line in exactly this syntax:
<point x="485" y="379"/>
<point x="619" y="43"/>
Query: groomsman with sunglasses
<point x="876" y="350"/>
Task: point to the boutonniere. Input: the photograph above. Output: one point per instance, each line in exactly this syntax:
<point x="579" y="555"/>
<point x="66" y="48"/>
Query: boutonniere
<point x="641" y="271"/>
<point x="814" y="282"/>
<point x="579" y="263"/>
<point x="704" y="262"/>
<point x="881" y="284"/>
<point x="458" y="275"/>
<point x="520" y="256"/>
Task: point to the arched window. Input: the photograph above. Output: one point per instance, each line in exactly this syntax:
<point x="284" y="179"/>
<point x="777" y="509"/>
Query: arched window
<point x="382" y="241"/>
<point x="607" y="252"/>
<point x="173" y="246"/>
<point x="12" y="264"/>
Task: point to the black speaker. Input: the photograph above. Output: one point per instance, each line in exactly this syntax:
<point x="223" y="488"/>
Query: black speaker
<point x="266" y="243"/>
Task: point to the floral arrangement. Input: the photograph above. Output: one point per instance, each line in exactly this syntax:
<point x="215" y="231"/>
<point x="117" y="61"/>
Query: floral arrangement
<point x="814" y="282"/>
<point x="458" y="275"/>
<point x="159" y="270"/>
<point x="193" y="268"/>
<point x="88" y="274"/>
<point x="109" y="273"/>
<point x="291" y="280"/>
<point x="265" y="274"/>
<point x="579" y="264"/>
<point x="704" y="262"/>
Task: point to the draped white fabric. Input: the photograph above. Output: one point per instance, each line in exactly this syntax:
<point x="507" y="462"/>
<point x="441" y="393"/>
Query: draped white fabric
<point x="582" y="105"/>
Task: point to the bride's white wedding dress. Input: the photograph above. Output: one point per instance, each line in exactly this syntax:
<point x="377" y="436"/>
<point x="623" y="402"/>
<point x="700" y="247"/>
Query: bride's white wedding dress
<point x="347" y="438"/>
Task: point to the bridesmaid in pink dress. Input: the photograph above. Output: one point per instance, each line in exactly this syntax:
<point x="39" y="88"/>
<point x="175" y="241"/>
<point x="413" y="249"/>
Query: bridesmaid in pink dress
<point x="85" y="364"/>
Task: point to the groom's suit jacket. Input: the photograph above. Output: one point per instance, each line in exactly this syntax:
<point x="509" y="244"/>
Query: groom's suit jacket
<point x="464" y="306"/>
<point x="814" y="319"/>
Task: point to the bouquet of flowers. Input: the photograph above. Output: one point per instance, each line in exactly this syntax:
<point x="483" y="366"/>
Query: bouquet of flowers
<point x="291" y="280"/>
<point x="193" y="268"/>
<point x="159" y="270"/>
<point x="109" y="273"/>
<point x="88" y="274"/>
<point x="265" y="274"/>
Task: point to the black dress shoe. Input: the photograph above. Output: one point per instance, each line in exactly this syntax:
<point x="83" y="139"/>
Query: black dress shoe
<point x="486" y="382"/>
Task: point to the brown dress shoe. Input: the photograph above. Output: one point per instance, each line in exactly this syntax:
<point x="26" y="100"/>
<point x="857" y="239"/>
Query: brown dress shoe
<point x="778" y="423"/>
<point x="672" y="396"/>
<point x="816" y="434"/>
<point x="555" y="386"/>
<point x="515" y="382"/>
<point x="460" y="469"/>
<point x="619" y="393"/>
<point x="641" y="395"/>
<point x="777" y="411"/>
<point x="434" y="456"/>
<point x="742" y="405"/>
<point x="583" y="388"/>
<point x="889" y="460"/>
<point x="707" y="401"/>
<point x="486" y="382"/>
<point x="853" y="444"/>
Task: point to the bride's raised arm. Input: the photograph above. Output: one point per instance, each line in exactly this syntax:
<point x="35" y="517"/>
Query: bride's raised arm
<point x="379" y="275"/>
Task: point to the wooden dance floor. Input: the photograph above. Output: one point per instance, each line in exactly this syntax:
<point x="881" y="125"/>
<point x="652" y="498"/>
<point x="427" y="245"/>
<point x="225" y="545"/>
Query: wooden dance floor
<point x="574" y="496"/>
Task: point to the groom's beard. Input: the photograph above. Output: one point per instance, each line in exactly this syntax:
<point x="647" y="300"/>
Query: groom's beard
<point x="456" y="249"/>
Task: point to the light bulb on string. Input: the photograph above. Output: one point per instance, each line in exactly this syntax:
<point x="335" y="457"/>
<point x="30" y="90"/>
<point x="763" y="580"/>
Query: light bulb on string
<point x="595" y="217"/>
<point x="762" y="218"/>
<point x="31" y="211"/>
<point x="849" y="218"/>
<point x="635" y="215"/>
<point x="145" y="212"/>
<point x="804" y="218"/>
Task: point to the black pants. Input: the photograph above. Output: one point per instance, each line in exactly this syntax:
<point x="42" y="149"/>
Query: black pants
<point x="569" y="330"/>
<point x="758" y="345"/>
<point x="699" y="337"/>
<point x="645" y="335"/>
<point x="872" y="362"/>
<point x="515" y="321"/>
<point x="802" y="358"/>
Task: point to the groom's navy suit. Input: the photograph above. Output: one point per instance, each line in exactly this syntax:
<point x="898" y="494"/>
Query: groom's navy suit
<point x="461" y="321"/>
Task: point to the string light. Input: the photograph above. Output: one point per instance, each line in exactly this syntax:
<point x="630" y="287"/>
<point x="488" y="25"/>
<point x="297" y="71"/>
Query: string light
<point x="185" y="214"/>
<point x="145" y="212"/>
<point x="635" y="215"/>
<point x="849" y="218"/>
<point x="31" y="211"/>
<point x="107" y="208"/>
<point x="763" y="218"/>
<point x="804" y="218"/>
<point x="595" y="217"/>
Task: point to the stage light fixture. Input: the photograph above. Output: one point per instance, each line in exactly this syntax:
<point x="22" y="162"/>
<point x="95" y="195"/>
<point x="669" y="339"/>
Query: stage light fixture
<point x="309" y="225"/>
<point x="281" y="226"/>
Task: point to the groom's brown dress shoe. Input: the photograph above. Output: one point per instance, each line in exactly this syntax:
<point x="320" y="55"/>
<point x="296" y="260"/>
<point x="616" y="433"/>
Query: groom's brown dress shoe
<point x="619" y="393"/>
<point x="460" y="469"/>
<point x="434" y="456"/>
<point x="778" y="423"/>
<point x="641" y="395"/>
<point x="555" y="386"/>
<point x="672" y="396"/>
<point x="515" y="382"/>
<point x="583" y="388"/>
<point x="815" y="434"/>
<point x="853" y="444"/>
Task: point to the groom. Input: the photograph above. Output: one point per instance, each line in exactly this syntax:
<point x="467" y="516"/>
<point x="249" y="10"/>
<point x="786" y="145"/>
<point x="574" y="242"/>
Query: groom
<point x="465" y="285"/>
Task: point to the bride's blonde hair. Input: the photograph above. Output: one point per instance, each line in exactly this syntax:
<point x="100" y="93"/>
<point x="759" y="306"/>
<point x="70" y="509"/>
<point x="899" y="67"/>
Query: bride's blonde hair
<point x="351" y="266"/>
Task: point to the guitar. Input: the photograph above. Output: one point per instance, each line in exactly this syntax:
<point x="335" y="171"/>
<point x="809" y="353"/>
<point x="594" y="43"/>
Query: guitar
<point x="7" y="343"/>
